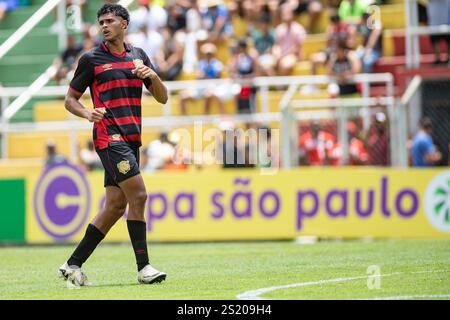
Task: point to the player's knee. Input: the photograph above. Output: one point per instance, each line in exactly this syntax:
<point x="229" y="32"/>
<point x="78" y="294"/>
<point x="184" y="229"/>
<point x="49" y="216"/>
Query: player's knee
<point x="120" y="210"/>
<point x="117" y="208"/>
<point x="140" y="198"/>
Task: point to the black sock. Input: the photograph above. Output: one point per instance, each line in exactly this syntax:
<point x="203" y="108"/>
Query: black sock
<point x="138" y="236"/>
<point x="87" y="245"/>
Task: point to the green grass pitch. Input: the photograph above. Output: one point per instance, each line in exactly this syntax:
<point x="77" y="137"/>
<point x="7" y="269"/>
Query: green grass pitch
<point x="224" y="270"/>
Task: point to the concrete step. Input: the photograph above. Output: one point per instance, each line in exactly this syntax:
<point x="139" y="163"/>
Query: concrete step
<point x="16" y="18"/>
<point x="23" y="69"/>
<point x="38" y="42"/>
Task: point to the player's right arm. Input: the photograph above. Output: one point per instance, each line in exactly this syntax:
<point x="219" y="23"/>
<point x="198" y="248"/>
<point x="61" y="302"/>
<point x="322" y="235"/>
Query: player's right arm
<point x="74" y="106"/>
<point x="84" y="76"/>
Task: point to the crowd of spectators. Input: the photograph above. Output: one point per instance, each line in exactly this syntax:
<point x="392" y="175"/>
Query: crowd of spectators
<point x="318" y="144"/>
<point x="198" y="37"/>
<point x="208" y="68"/>
<point x="172" y="33"/>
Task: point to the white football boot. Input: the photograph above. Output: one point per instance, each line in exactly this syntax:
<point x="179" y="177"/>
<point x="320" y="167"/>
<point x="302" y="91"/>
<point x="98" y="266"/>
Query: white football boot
<point x="149" y="275"/>
<point x="73" y="275"/>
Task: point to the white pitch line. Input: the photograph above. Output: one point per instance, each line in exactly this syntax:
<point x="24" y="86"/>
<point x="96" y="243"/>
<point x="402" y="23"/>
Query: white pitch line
<point x="430" y="271"/>
<point x="255" y="294"/>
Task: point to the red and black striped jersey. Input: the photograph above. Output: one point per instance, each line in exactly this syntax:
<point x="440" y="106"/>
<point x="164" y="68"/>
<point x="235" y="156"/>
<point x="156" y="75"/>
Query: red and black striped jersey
<point x="115" y="88"/>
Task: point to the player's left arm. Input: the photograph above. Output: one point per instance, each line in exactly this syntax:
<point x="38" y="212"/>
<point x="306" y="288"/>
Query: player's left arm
<point x="155" y="85"/>
<point x="152" y="81"/>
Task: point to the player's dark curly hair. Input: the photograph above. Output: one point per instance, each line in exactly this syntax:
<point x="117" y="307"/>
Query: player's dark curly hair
<point x="115" y="9"/>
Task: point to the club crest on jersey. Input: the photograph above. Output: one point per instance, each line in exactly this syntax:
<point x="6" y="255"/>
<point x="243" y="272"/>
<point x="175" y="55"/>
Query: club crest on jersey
<point x="107" y="67"/>
<point x="138" y="63"/>
<point x="124" y="166"/>
<point x="116" y="137"/>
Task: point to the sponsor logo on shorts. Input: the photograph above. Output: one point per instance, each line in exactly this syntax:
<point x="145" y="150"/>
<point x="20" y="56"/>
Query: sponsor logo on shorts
<point x="124" y="166"/>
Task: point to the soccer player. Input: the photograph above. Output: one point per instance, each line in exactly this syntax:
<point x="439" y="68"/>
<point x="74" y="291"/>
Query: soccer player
<point x="114" y="72"/>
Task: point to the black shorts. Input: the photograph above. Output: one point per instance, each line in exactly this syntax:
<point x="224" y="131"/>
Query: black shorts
<point x="121" y="162"/>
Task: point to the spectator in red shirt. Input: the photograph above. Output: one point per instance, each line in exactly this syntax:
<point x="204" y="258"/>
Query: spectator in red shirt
<point x="357" y="152"/>
<point x="315" y="146"/>
<point x="334" y="155"/>
<point x="377" y="143"/>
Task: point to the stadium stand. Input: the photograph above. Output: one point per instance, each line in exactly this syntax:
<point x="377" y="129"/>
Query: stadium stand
<point x="36" y="51"/>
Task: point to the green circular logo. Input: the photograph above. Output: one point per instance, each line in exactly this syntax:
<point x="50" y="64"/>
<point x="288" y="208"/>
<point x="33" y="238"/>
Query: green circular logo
<point x="437" y="202"/>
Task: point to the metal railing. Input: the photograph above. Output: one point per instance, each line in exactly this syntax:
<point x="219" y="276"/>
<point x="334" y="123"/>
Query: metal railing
<point x="290" y="110"/>
<point x="407" y="121"/>
<point x="20" y="33"/>
<point x="413" y="31"/>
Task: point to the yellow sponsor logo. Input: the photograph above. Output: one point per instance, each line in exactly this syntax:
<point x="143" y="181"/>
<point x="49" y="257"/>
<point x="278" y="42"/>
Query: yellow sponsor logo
<point x="138" y="62"/>
<point x="124" y="166"/>
<point x="107" y="66"/>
